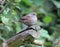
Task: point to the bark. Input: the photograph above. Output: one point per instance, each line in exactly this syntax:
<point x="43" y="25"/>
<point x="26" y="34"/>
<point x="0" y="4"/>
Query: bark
<point x="24" y="37"/>
<point x="18" y="40"/>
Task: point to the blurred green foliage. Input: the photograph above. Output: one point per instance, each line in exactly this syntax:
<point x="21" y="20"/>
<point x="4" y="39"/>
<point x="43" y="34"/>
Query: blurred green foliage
<point x="48" y="13"/>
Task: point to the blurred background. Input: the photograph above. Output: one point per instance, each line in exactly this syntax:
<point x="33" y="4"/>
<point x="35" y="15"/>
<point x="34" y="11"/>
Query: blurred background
<point x="48" y="13"/>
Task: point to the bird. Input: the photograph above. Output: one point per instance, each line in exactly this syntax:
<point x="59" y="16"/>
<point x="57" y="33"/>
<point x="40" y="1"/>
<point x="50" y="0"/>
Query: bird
<point x="30" y="19"/>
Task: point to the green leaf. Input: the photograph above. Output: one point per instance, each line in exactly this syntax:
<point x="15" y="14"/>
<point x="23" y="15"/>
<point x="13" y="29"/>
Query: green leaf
<point x="4" y="19"/>
<point x="6" y="11"/>
<point x="8" y="28"/>
<point x="18" y="1"/>
<point x="1" y="27"/>
<point x="38" y="2"/>
<point x="14" y="12"/>
<point x="18" y="28"/>
<point x="56" y="3"/>
<point x="28" y="2"/>
<point x="24" y="8"/>
<point x="47" y="19"/>
<point x="44" y="34"/>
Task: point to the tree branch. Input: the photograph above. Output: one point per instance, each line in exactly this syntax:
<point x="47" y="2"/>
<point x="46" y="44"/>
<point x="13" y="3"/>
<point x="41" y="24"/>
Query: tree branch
<point x="21" y="38"/>
<point x="17" y="40"/>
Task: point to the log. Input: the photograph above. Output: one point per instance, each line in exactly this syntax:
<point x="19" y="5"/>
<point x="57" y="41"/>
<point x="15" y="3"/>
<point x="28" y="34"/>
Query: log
<point x="24" y="37"/>
<point x="18" y="40"/>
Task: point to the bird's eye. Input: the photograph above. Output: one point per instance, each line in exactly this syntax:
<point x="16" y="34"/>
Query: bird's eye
<point x="33" y="14"/>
